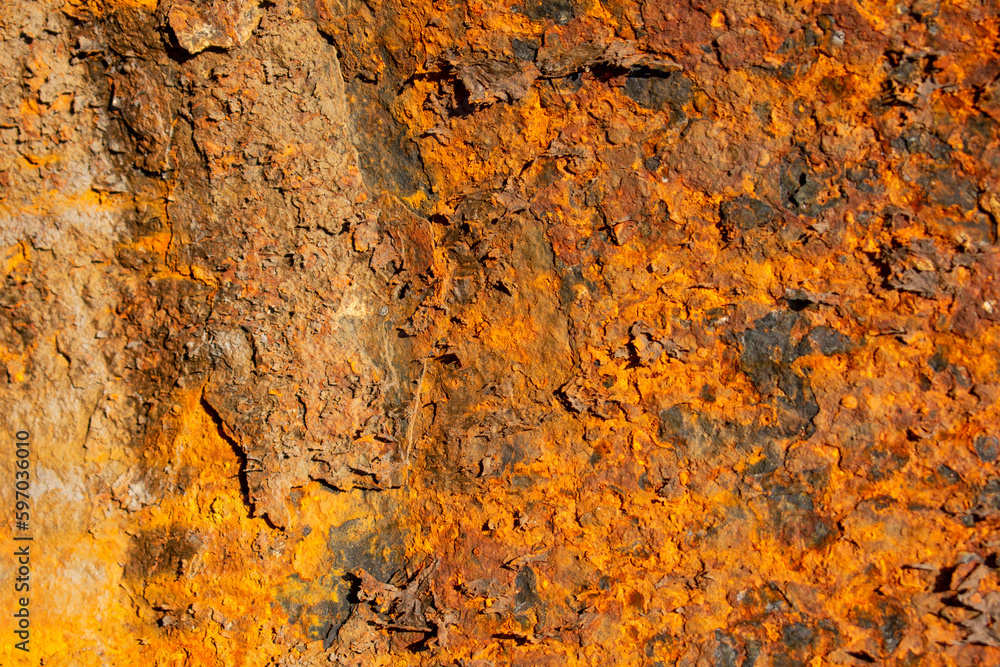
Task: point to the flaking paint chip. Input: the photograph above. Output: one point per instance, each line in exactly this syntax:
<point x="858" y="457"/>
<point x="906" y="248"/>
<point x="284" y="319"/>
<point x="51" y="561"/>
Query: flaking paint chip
<point x="223" y="23"/>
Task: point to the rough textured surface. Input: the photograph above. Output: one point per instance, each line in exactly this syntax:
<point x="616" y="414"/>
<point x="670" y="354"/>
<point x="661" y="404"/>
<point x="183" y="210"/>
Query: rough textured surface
<point x="555" y="332"/>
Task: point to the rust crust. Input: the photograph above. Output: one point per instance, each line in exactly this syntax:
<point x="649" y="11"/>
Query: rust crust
<point x="555" y="332"/>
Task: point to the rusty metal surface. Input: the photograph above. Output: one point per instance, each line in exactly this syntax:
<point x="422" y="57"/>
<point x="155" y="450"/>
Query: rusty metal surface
<point x="542" y="333"/>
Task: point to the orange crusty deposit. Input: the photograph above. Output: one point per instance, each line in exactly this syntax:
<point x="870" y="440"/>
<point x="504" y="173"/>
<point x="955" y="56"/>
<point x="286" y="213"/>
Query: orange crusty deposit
<point x="558" y="332"/>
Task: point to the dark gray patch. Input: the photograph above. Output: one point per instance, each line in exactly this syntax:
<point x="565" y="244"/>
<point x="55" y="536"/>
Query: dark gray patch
<point x="937" y="361"/>
<point x="378" y="549"/>
<point x="885" y="462"/>
<point x="987" y="448"/>
<point x="801" y="186"/>
<point x="830" y="341"/>
<point x="526" y="596"/>
<point x="891" y="629"/>
<point x="767" y="356"/>
<point x="797" y="635"/>
<point x="948" y="474"/>
<point x="743" y="214"/>
<point x="725" y="651"/>
<point x="388" y="158"/>
<point x="946" y="188"/>
<point x="918" y="141"/>
<point x="653" y="90"/>
<point x="525" y="49"/>
<point x="988" y="503"/>
<point x="560" y="11"/>
<point x="773" y="459"/>
<point x="570" y="279"/>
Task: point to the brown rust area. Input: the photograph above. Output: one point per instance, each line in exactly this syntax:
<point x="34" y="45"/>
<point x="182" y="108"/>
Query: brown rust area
<point x="555" y="332"/>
